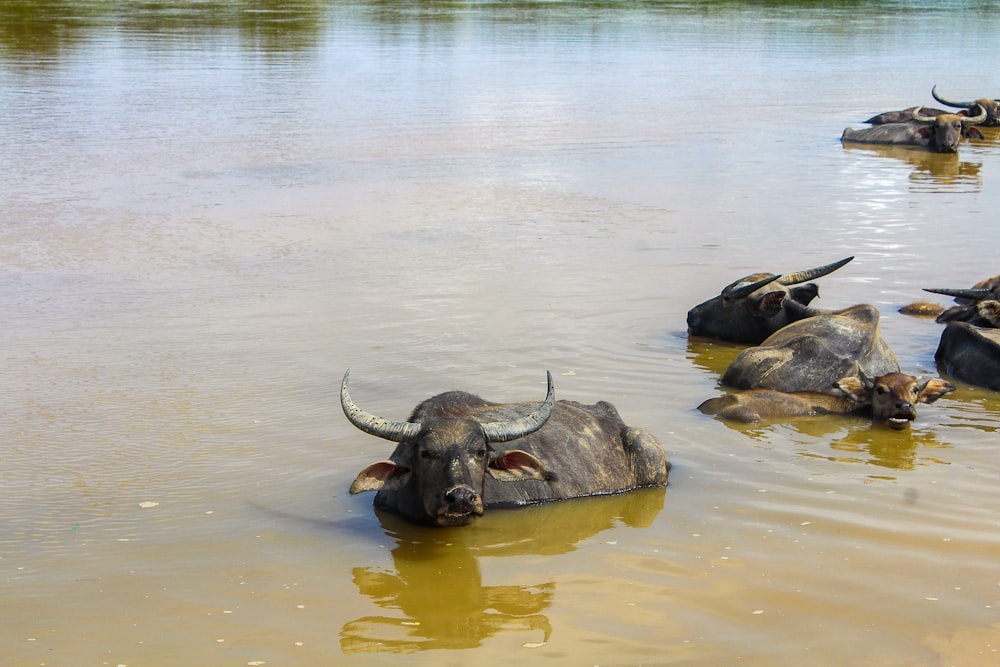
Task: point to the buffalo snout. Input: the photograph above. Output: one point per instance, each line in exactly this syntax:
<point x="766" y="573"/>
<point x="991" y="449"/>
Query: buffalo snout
<point x="460" y="504"/>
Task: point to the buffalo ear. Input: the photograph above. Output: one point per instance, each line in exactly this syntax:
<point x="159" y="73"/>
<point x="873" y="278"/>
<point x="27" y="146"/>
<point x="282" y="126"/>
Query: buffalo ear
<point x="972" y="133"/>
<point x="932" y="390"/>
<point x="924" y="131"/>
<point x="381" y="476"/>
<point x="855" y="389"/>
<point x="804" y="293"/>
<point x="514" y="465"/>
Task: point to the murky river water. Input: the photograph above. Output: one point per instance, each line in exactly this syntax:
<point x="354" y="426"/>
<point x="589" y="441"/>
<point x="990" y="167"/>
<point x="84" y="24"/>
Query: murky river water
<point x="210" y="210"/>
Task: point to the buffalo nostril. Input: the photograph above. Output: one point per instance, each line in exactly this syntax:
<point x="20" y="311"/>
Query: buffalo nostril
<point x="460" y="495"/>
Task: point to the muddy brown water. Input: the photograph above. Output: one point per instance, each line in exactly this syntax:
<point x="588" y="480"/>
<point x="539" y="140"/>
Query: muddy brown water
<point x="210" y="211"/>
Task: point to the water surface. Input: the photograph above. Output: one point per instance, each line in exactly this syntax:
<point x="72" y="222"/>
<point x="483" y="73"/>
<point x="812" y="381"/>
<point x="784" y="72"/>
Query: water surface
<point x="211" y="210"/>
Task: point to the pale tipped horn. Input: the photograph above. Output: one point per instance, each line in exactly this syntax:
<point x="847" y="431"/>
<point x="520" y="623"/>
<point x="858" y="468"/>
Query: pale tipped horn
<point x="511" y="430"/>
<point x="975" y="120"/>
<point x="919" y="117"/>
<point x="373" y="425"/>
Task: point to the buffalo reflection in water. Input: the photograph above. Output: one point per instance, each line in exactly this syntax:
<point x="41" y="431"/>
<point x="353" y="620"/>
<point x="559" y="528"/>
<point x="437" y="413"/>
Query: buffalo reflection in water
<point x="853" y="439"/>
<point x="929" y="168"/>
<point x="436" y="597"/>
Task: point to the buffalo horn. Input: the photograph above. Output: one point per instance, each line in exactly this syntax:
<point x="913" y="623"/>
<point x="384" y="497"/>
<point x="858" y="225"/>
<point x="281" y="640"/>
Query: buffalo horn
<point x="369" y="423"/>
<point x="510" y="430"/>
<point x="975" y="120"/>
<point x="917" y="116"/>
<point x="733" y="292"/>
<point x="971" y="294"/>
<point x="812" y="274"/>
<point x="957" y="105"/>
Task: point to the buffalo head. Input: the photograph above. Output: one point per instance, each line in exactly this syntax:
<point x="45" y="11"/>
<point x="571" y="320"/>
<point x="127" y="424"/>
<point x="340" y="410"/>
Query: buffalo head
<point x="977" y="305"/>
<point x="991" y="106"/>
<point x="752" y="308"/>
<point x="945" y="131"/>
<point x="893" y="397"/>
<point x="439" y="465"/>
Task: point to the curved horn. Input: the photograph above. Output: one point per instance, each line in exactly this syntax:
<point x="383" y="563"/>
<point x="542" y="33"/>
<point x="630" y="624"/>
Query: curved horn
<point x="917" y="116"/>
<point x="733" y="292"/>
<point x="369" y="423"/>
<point x="511" y="430"/>
<point x="812" y="274"/>
<point x="970" y="294"/>
<point x="975" y="120"/>
<point x="949" y="103"/>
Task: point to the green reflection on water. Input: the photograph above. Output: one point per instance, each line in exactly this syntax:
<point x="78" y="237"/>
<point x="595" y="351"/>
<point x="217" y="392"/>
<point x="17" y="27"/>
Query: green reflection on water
<point x="52" y="27"/>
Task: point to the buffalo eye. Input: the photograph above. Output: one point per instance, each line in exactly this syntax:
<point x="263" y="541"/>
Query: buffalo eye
<point x="426" y="454"/>
<point x="880" y="390"/>
<point x="481" y="454"/>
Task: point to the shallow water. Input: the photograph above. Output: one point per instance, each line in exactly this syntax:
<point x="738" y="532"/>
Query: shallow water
<point x="212" y="210"/>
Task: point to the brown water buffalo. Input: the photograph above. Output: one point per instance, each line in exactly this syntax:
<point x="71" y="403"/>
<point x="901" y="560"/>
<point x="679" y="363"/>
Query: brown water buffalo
<point x="447" y="470"/>
<point x="814" y="353"/>
<point x="890" y="399"/>
<point x="940" y="134"/>
<point x="752" y="308"/>
<point x="991" y="106"/>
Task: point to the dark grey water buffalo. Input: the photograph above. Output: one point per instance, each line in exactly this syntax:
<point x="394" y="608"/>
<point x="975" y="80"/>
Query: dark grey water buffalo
<point x="976" y="305"/>
<point x="752" y="308"/>
<point x="969" y="348"/>
<point x="814" y="353"/>
<point x="991" y="106"/>
<point x="890" y="399"/>
<point x="940" y="134"/>
<point x="971" y="354"/>
<point x="447" y="468"/>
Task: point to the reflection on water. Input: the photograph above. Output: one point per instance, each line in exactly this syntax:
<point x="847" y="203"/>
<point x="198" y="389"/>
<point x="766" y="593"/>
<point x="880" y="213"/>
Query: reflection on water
<point x="855" y="439"/>
<point x="436" y="598"/>
<point x="931" y="171"/>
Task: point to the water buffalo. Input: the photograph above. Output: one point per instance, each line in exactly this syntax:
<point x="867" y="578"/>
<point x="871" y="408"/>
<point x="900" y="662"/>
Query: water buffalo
<point x="903" y="115"/>
<point x="971" y="353"/>
<point x="814" y="353"/>
<point x="940" y="134"/>
<point x="969" y="348"/>
<point x="446" y="469"/>
<point x="889" y="399"/>
<point x="975" y="305"/>
<point x="991" y="106"/>
<point x="752" y="308"/>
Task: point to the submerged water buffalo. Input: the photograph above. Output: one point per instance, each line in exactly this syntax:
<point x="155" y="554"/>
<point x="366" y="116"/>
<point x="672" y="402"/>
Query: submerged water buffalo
<point x="447" y="468"/>
<point x="904" y="115"/>
<point x="889" y="399"/>
<point x="941" y="133"/>
<point x="969" y="348"/>
<point x="976" y="305"/>
<point x="752" y="308"/>
<point x="991" y="106"/>
<point x="814" y="353"/>
<point x="971" y="354"/>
